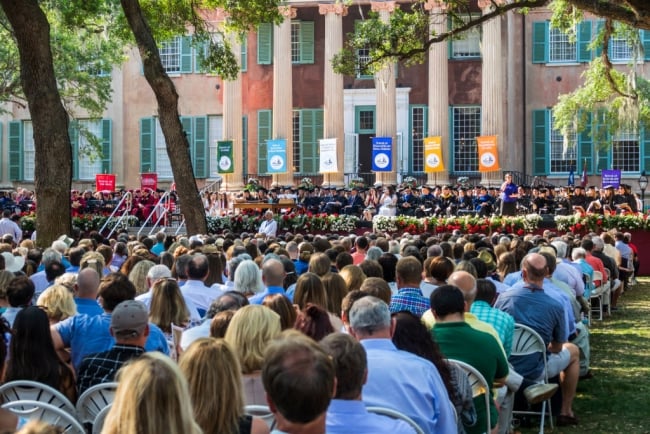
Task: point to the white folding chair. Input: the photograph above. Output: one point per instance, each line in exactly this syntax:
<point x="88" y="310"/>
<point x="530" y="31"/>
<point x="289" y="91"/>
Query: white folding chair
<point x="396" y="415"/>
<point x="94" y="400"/>
<point x="479" y="387"/>
<point x="98" y="423"/>
<point x="589" y="285"/>
<point x="31" y="390"/>
<point x="599" y="295"/>
<point x="526" y="342"/>
<point x="263" y="412"/>
<point x="50" y="414"/>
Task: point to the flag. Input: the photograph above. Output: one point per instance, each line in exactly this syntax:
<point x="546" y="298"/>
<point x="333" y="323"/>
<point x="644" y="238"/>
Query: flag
<point x="382" y="154"/>
<point x="488" y="160"/>
<point x="583" y="178"/>
<point x="433" y="155"/>
<point x="276" y="154"/>
<point x="224" y="157"/>
<point x="328" y="163"/>
<point x="572" y="178"/>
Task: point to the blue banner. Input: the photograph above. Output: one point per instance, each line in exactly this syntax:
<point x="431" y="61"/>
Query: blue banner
<point x="382" y="154"/>
<point x="276" y="151"/>
<point x="611" y="178"/>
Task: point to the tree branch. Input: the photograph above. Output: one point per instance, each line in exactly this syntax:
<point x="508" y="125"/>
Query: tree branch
<point x="609" y="30"/>
<point x="636" y="13"/>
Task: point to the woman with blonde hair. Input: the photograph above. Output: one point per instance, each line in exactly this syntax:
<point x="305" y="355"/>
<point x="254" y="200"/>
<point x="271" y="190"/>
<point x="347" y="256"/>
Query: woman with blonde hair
<point x="58" y="303"/>
<point x="152" y="397"/>
<point x="353" y="277"/>
<point x="94" y="260"/>
<point x="249" y="333"/>
<point x="320" y="264"/>
<point x="212" y="370"/>
<point x="310" y="289"/>
<point x="138" y="276"/>
<point x="168" y="306"/>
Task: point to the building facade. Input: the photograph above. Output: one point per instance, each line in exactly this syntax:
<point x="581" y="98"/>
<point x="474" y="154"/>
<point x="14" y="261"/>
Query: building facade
<point x="500" y="79"/>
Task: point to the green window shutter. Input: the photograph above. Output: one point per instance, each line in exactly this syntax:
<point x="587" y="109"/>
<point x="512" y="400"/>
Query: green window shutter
<point x="452" y="139"/>
<point x="599" y="28"/>
<point x="15" y="151"/>
<point x="540" y="42"/>
<point x="584" y="39"/>
<point x="244" y="144"/>
<point x="645" y="41"/>
<point x="311" y="131"/>
<point x="73" y="132"/>
<point x="644" y="137"/>
<point x="243" y="58"/>
<point x="585" y="148"/>
<point x="200" y="51"/>
<point x="147" y="145"/>
<point x="265" y="44"/>
<point x="186" y="55"/>
<point x="306" y="42"/>
<point x="264" y="132"/>
<point x="541" y="124"/>
<point x="107" y="145"/>
<point x="200" y="145"/>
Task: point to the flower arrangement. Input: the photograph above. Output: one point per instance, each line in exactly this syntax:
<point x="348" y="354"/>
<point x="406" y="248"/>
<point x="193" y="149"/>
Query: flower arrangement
<point x="307" y="184"/>
<point x="252" y="185"/>
<point x="357" y="182"/>
<point x="409" y="181"/>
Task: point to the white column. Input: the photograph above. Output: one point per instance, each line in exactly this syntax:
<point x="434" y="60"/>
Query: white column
<point x="493" y="89"/>
<point x="386" y="102"/>
<point x="438" y="81"/>
<point x="232" y="122"/>
<point x="283" y="90"/>
<point x="333" y="87"/>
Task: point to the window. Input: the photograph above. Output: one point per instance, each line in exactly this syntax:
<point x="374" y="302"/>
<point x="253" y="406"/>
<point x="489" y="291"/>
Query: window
<point x="29" y="152"/>
<point x="363" y="57"/>
<point x="626" y="152"/>
<point x="466" y="126"/>
<point x="302" y="42"/>
<point x="88" y="162"/>
<point x="563" y="155"/>
<point x="418" y="131"/>
<point x="561" y="49"/>
<point x="366" y="121"/>
<point x="163" y="165"/>
<point x="307" y="131"/>
<point x="467" y="44"/>
<point x="620" y="48"/>
<point x="170" y="55"/>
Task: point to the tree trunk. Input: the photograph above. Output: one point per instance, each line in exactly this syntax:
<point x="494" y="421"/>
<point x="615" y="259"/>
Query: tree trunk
<point x="53" y="165"/>
<point x="177" y="145"/>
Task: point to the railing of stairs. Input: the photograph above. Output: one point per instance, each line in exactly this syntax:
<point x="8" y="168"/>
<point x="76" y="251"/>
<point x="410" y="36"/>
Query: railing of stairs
<point x="124" y="213"/>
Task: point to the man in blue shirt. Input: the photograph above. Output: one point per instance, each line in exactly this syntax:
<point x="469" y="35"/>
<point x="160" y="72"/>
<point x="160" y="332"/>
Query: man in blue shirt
<point x="408" y="274"/>
<point x="85" y="292"/>
<point x="347" y="412"/>
<point x="273" y="276"/>
<point x="86" y="334"/>
<point x="398" y="379"/>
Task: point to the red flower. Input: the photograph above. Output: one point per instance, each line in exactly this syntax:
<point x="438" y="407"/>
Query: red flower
<point x="520" y="232"/>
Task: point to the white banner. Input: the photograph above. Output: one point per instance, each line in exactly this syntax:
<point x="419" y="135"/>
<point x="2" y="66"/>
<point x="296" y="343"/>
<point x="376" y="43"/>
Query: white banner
<point x="328" y="156"/>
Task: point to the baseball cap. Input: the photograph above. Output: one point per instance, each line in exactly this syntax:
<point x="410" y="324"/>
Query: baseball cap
<point x="129" y="318"/>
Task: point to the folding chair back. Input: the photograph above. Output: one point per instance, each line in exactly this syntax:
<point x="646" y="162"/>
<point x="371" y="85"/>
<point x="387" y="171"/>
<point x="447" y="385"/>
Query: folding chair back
<point x="263" y="412"/>
<point x="396" y="415"/>
<point x="50" y="414"/>
<point x="479" y="387"/>
<point x="94" y="400"/>
<point x="35" y="391"/>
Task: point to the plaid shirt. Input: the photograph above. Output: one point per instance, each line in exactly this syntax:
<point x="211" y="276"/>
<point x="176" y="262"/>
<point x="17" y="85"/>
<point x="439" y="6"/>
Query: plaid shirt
<point x="502" y="322"/>
<point x="410" y="299"/>
<point x="101" y="367"/>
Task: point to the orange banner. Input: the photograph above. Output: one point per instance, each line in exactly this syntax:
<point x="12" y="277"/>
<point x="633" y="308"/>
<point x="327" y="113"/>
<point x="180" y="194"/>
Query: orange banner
<point x="433" y="155"/>
<point x="488" y="155"/>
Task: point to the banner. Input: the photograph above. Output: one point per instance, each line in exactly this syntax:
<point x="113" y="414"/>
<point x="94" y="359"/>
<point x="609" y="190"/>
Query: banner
<point x="433" y="155"/>
<point x="224" y="157"/>
<point x="149" y="180"/>
<point x="488" y="160"/>
<point x="105" y="181"/>
<point x="382" y="154"/>
<point x="328" y="162"/>
<point x="610" y="178"/>
<point x="276" y="154"/>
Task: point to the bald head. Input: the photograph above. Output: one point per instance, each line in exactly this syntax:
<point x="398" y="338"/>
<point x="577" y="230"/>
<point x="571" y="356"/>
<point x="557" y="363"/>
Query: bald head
<point x="534" y="268"/>
<point x="466" y="283"/>
<point x="273" y="273"/>
<point x="87" y="283"/>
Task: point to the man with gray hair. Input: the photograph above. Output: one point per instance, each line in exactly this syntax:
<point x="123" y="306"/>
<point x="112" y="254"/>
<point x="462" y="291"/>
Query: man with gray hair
<point x="566" y="271"/>
<point x="39" y="278"/>
<point x="399" y="372"/>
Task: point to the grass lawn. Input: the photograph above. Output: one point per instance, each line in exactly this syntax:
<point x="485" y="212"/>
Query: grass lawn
<point x="617" y="398"/>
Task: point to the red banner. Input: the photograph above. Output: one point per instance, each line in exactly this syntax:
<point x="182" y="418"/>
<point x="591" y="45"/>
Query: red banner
<point x="105" y="182"/>
<point x="149" y="180"/>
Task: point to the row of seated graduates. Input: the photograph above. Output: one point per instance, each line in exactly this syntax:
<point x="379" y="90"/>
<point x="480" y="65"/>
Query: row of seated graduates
<point x="578" y="199"/>
<point x="20" y="201"/>
<point x="140" y="203"/>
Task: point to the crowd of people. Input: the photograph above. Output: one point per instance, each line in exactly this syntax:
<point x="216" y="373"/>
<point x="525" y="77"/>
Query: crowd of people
<point x="316" y="327"/>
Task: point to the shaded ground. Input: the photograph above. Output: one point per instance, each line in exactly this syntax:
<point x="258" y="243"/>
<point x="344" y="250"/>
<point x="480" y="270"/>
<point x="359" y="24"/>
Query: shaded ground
<point x="617" y="398"/>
